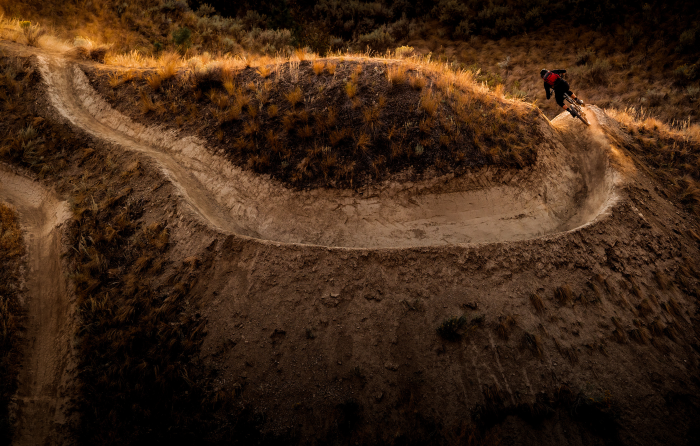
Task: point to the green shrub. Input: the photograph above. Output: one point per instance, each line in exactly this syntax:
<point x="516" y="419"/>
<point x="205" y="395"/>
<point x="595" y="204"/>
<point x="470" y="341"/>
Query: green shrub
<point x="686" y="73"/>
<point x="378" y="40"/>
<point x="268" y="41"/>
<point x="206" y="10"/>
<point x="452" y="13"/>
<point x="175" y="6"/>
<point x="688" y="40"/>
<point x="463" y="30"/>
<point x="182" y="37"/>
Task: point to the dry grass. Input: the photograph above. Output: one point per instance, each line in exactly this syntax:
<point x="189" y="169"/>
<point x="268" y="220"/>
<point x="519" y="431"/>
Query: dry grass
<point x="396" y="75"/>
<point x="154" y="81"/>
<point x="264" y="71"/>
<point x="318" y="67"/>
<point x="11" y="313"/>
<point x="351" y="89"/>
<point x="429" y="103"/>
<point x="673" y="151"/>
<point x="563" y="294"/>
<point x="294" y="97"/>
<point x="533" y="343"/>
<point x="11" y="240"/>
<point x="536" y="301"/>
<point x="504" y="326"/>
<point x="417" y="81"/>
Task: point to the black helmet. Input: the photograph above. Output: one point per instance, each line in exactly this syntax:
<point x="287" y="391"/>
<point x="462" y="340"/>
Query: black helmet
<point x="543" y="72"/>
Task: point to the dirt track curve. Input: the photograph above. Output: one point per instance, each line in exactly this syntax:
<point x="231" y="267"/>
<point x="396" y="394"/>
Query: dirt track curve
<point x="569" y="186"/>
<point x="39" y="400"/>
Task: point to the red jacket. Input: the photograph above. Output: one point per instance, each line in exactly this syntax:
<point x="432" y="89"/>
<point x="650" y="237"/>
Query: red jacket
<point x="548" y="86"/>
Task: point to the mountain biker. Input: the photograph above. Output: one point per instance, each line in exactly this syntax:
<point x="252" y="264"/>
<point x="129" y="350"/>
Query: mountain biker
<point x="553" y="80"/>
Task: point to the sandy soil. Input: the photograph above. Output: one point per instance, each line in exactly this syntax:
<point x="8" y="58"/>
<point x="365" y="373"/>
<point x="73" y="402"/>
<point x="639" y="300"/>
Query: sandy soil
<point x="40" y="401"/>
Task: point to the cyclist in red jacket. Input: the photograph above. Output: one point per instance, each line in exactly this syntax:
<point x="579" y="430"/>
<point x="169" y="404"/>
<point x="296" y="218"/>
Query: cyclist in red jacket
<point x="553" y="80"/>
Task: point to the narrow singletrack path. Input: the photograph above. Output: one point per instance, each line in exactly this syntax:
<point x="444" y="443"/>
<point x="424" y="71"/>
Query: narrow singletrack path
<point x="40" y="401"/>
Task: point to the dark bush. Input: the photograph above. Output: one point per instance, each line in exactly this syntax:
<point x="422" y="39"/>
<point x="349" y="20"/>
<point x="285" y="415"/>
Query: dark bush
<point x="449" y="329"/>
<point x="182" y="36"/>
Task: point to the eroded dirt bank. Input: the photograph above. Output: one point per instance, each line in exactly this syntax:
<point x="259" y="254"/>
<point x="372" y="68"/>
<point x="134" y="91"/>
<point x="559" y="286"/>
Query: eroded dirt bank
<point x="40" y="402"/>
<point x="485" y="206"/>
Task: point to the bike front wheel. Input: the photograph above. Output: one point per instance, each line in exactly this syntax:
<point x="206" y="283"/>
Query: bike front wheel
<point x="583" y="118"/>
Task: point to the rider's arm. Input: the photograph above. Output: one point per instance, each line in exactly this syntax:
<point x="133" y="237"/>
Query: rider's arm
<point x="547" y="90"/>
<point x="560" y="72"/>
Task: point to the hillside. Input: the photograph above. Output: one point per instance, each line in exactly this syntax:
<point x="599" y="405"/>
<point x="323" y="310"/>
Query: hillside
<point x="622" y="54"/>
<point x="345" y="248"/>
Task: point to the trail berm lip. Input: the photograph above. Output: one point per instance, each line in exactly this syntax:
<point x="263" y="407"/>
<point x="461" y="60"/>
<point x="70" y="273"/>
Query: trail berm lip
<point x="570" y="185"/>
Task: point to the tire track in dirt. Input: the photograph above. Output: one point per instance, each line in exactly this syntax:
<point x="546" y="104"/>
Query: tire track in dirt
<point x="486" y="206"/>
<point x="40" y="401"/>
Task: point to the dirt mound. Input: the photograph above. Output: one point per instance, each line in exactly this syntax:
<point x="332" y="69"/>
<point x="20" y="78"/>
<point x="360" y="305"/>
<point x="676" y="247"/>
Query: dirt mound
<point x="333" y="122"/>
<point x="569" y="185"/>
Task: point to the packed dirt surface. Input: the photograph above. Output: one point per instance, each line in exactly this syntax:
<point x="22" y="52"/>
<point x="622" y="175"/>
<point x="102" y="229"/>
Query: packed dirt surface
<point x="580" y="321"/>
<point x="565" y="189"/>
<point x="40" y="401"/>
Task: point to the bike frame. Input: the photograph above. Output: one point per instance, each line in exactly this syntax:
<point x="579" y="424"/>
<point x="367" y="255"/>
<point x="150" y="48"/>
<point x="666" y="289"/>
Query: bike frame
<point x="577" y="108"/>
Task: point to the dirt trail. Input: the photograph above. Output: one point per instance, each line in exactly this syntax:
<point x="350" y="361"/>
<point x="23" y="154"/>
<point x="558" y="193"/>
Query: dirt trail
<point x="39" y="402"/>
<point x="488" y="205"/>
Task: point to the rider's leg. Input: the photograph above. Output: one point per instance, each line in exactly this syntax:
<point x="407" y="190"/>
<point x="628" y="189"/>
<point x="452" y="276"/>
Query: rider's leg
<point x="573" y="96"/>
<point x="559" y="96"/>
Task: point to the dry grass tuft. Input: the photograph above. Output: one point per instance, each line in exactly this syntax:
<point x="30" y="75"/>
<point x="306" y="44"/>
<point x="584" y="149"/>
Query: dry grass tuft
<point x="331" y="67"/>
<point x="537" y="302"/>
<point x="417" y="81"/>
<point x="533" y="343"/>
<point x="11" y="240"/>
<point x="264" y="71"/>
<point x="505" y="324"/>
<point x="154" y="81"/>
<point x="318" y="67"/>
<point x="563" y="294"/>
<point x="363" y="143"/>
<point x="351" y="89"/>
<point x="115" y="80"/>
<point x="294" y="97"/>
<point x="429" y="103"/>
<point x="396" y="75"/>
<point x="640" y="335"/>
<point x="147" y="104"/>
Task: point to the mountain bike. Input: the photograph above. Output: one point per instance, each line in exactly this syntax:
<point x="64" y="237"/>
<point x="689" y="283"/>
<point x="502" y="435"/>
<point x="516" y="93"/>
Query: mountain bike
<point x="578" y="110"/>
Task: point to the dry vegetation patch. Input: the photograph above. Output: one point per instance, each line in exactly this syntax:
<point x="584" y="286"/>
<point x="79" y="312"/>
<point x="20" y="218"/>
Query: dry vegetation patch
<point x="671" y="150"/>
<point x="11" y="312"/>
<point x="310" y="128"/>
